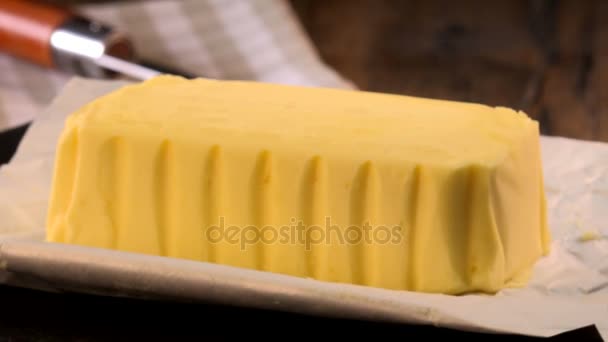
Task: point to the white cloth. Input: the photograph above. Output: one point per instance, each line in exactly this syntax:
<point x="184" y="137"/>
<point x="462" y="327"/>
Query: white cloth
<point x="228" y="39"/>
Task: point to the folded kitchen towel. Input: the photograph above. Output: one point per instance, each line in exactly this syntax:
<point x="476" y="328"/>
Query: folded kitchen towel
<point x="259" y="40"/>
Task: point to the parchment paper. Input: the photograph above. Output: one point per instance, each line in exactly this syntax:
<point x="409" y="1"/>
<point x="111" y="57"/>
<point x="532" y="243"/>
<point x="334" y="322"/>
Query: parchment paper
<point x="568" y="290"/>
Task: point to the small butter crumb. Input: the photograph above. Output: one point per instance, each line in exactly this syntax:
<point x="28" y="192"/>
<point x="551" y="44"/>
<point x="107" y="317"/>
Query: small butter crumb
<point x="588" y="236"/>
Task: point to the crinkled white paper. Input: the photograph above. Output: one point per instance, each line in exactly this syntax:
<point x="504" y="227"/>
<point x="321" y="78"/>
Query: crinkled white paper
<point x="569" y="288"/>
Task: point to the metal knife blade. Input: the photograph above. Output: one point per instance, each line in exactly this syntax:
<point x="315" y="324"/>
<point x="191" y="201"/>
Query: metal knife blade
<point x="59" y="38"/>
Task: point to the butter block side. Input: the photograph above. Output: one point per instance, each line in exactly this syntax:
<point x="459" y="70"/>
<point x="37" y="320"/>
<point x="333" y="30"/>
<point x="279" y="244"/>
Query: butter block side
<point x="518" y="202"/>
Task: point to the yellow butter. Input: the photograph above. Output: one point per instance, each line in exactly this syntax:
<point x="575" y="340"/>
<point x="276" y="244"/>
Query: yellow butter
<point x="344" y="186"/>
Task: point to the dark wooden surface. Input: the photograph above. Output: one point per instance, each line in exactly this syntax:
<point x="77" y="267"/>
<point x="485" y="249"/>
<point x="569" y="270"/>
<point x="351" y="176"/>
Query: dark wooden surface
<point x="29" y="315"/>
<point x="545" y="57"/>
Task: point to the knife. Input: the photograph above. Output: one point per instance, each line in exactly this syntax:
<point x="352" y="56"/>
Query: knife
<point x="61" y="39"/>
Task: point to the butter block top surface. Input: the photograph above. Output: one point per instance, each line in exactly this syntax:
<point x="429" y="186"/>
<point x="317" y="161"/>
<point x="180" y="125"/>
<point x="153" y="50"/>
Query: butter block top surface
<point x="371" y="125"/>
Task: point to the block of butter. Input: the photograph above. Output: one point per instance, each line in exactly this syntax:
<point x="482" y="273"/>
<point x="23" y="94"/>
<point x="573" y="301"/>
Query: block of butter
<point x="345" y="186"/>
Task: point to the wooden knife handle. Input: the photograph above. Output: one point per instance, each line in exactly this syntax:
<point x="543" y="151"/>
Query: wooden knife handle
<point x="26" y="28"/>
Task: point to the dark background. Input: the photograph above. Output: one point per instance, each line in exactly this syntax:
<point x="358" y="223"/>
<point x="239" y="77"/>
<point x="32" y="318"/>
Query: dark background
<point x="546" y="57"/>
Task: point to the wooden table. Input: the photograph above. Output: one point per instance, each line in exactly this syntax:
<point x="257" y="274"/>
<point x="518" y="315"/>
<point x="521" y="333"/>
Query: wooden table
<point x="548" y="58"/>
<point x="29" y="315"/>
